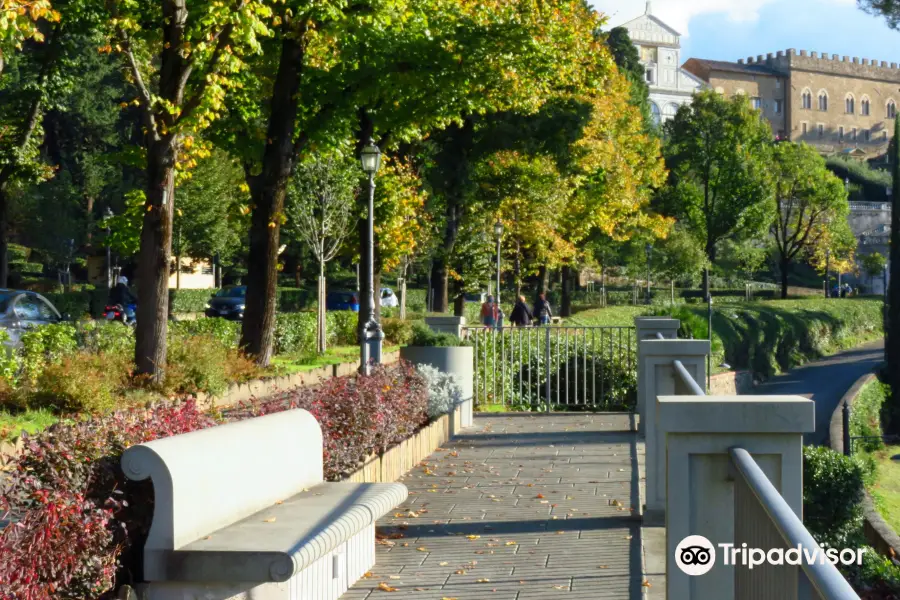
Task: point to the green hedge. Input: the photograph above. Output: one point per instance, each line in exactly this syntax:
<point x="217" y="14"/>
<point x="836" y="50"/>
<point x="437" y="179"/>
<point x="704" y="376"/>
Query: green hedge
<point x="865" y="416"/>
<point x="833" y="486"/>
<point x="295" y="333"/>
<point x="775" y="336"/>
<point x="189" y="301"/>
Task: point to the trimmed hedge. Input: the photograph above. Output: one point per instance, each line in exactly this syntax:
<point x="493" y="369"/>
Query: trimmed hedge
<point x="189" y="301"/>
<point x="865" y="416"/>
<point x="775" y="336"/>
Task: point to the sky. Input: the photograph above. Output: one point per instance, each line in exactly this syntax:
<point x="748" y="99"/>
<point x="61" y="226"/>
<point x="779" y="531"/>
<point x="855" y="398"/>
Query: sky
<point x="732" y="29"/>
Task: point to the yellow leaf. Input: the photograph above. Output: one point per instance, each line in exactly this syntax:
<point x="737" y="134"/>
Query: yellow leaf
<point x="483" y="581"/>
<point x="386" y="588"/>
<point x="473" y="537"/>
<point x="422" y="549"/>
<point x="270" y="520"/>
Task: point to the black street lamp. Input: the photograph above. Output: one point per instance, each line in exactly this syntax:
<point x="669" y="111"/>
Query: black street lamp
<point x="109" y="281"/>
<point x="649" y="250"/>
<point x="373" y="336"/>
<point x="498" y="233"/>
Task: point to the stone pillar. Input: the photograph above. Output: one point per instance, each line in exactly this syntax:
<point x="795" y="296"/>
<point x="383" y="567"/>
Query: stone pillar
<point x="454" y="325"/>
<point x="660" y="379"/>
<point x="706" y="495"/>
<point x="647" y="328"/>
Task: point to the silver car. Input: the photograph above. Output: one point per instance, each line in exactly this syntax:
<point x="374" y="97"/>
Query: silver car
<point x="388" y="297"/>
<point x="21" y="310"/>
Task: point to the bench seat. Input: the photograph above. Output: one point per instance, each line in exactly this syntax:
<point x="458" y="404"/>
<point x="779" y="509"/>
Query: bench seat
<point x="306" y="527"/>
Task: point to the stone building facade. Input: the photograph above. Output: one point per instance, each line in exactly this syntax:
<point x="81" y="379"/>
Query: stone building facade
<point x="838" y="104"/>
<point x="659" y="47"/>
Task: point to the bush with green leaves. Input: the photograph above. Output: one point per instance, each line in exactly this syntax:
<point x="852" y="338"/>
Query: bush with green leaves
<point x="75" y="304"/>
<point x="424" y="336"/>
<point x="295" y="333"/>
<point x="189" y="301"/>
<point x="865" y="417"/>
<point x="444" y="390"/>
<point x="833" y="491"/>
<point x="46" y="345"/>
<point x="397" y="332"/>
<point x="878" y="575"/>
<point x="102" y="336"/>
<point x="225" y="332"/>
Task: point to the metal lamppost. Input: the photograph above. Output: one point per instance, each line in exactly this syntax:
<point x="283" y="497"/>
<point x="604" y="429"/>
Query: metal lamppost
<point x="373" y="336"/>
<point x="649" y="250"/>
<point x="109" y="215"/>
<point x="498" y="233"/>
<point x="827" y="273"/>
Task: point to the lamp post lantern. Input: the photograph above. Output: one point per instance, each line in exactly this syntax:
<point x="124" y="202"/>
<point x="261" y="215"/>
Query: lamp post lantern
<point x="373" y="336"/>
<point x="649" y="250"/>
<point x="109" y="281"/>
<point x="498" y="233"/>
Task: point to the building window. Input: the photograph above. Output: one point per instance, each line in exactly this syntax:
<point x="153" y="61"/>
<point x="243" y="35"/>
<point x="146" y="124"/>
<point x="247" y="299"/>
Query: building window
<point x="756" y="103"/>
<point x="804" y="127"/>
<point x="654" y="113"/>
<point x="850" y="105"/>
<point x="806" y="100"/>
<point x="868" y="135"/>
<point x="669" y="111"/>
<point x="779" y="106"/>
<point x="864" y="107"/>
<point x="823" y="101"/>
<point x="884" y="135"/>
<point x="853" y="134"/>
<point x="841" y="133"/>
<point x="891" y="109"/>
<point x="777" y="84"/>
<point x="649" y="75"/>
<point x="820" y="127"/>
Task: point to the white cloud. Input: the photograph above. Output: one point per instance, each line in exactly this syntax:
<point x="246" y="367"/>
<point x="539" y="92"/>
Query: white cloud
<point x="678" y="13"/>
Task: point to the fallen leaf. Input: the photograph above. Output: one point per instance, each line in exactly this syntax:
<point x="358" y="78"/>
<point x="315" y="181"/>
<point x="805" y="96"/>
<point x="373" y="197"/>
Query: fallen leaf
<point x="560" y="587"/>
<point x="422" y="549"/>
<point x="628" y="537"/>
<point x="510" y="543"/>
<point x="483" y="581"/>
<point x="603" y="567"/>
<point x="270" y="520"/>
<point x="474" y="537"/>
<point x="393" y="576"/>
<point x="386" y="588"/>
<point x="460" y="572"/>
<point x="646" y="583"/>
<point x="443" y="564"/>
<point x="539" y="496"/>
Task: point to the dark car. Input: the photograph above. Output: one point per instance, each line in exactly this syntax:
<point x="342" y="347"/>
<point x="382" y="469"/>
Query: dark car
<point x="20" y="310"/>
<point x="342" y="301"/>
<point x="228" y="303"/>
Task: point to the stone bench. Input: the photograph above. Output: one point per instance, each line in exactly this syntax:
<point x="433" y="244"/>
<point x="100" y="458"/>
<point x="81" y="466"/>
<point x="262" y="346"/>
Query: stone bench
<point x="241" y="512"/>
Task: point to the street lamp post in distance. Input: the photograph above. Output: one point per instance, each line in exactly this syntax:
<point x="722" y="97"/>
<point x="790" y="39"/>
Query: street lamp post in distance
<point x="373" y="336"/>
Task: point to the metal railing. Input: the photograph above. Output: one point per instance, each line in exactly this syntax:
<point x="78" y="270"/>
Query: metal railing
<point x="763" y="519"/>
<point x="870" y="206"/>
<point x="542" y="368"/>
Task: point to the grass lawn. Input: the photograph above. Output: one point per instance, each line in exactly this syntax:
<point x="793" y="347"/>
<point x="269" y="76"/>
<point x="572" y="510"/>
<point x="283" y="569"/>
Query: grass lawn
<point x="611" y="316"/>
<point x="30" y="421"/>
<point x="287" y="365"/>
<point x="886" y="489"/>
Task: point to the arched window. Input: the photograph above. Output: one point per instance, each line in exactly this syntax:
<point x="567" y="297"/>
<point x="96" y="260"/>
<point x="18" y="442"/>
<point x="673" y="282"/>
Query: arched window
<point x="823" y="100"/>
<point x="850" y="104"/>
<point x="806" y="99"/>
<point x="864" y="106"/>
<point x="891" y="109"/>
<point x="654" y="113"/>
<point x="669" y="111"/>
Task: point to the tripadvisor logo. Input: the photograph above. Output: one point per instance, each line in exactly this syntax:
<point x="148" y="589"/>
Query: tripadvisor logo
<point x="696" y="555"/>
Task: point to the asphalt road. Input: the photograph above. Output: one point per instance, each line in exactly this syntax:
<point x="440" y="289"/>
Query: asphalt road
<point x="825" y="382"/>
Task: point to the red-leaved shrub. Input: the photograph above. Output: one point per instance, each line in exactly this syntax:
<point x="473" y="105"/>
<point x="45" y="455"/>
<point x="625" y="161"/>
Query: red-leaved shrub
<point x="80" y="525"/>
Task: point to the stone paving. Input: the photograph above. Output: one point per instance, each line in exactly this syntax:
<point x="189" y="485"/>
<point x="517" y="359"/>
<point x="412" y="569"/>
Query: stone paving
<point x="518" y="508"/>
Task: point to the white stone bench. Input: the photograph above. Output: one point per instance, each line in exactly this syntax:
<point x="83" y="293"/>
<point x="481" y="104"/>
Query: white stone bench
<point x="241" y="512"/>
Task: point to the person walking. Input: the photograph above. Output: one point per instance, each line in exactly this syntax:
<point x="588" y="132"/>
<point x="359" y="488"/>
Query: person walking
<point x="542" y="310"/>
<point x="520" y="315"/>
<point x="489" y="313"/>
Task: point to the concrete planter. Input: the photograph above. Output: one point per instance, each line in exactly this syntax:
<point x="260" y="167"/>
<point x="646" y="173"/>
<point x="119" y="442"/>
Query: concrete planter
<point x="458" y="360"/>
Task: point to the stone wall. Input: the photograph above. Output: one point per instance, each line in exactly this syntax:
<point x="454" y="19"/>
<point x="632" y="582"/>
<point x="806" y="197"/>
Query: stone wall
<point x="732" y="383"/>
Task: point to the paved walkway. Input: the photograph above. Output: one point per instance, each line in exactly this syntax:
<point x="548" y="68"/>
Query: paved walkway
<point x="518" y="508"/>
<point x="825" y="381"/>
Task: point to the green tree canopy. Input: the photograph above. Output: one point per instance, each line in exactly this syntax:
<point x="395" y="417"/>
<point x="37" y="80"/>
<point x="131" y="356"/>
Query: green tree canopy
<point x="716" y="150"/>
<point x="628" y="60"/>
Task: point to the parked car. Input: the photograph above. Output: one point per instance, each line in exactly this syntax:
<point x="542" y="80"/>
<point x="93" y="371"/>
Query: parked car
<point x="21" y="310"/>
<point x="228" y="303"/>
<point x="388" y="297"/>
<point x="342" y="300"/>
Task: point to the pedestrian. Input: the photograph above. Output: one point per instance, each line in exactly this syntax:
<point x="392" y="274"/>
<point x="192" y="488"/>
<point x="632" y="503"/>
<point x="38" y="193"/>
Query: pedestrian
<point x="520" y="315"/>
<point x="542" y="310"/>
<point x="489" y="313"/>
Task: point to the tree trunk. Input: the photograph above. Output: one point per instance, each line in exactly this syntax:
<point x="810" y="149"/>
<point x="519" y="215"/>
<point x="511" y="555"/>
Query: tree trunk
<point x="267" y="193"/>
<point x="153" y="262"/>
<point x="440" y="294"/>
<point x="785" y="272"/>
<point x="322" y="321"/>
<point x="892" y="326"/>
<point x="543" y="281"/>
<point x="459" y="301"/>
<point x="297" y="281"/>
<point x="565" y="309"/>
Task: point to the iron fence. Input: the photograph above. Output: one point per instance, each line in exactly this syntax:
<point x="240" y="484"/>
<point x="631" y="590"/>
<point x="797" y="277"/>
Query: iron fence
<point x="555" y="368"/>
